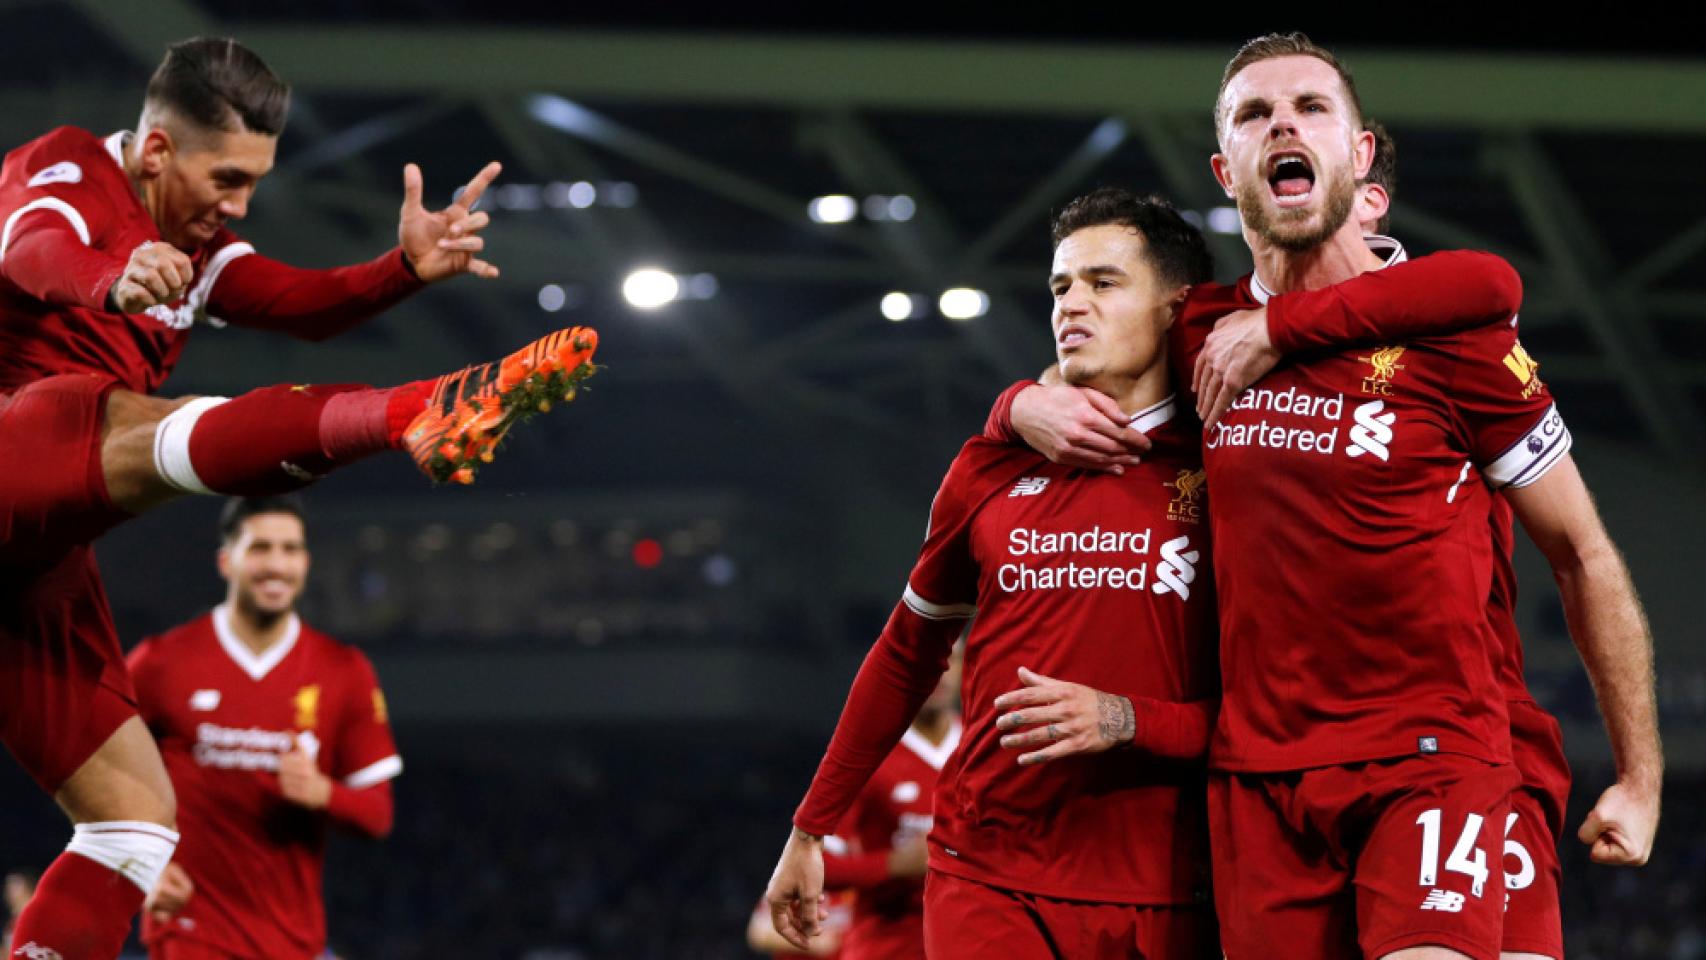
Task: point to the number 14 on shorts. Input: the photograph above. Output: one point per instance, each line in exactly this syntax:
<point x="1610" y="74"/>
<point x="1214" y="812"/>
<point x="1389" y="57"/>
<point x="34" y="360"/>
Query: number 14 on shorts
<point x="1467" y="859"/>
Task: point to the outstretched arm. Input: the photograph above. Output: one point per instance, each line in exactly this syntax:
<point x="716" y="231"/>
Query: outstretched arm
<point x="255" y="291"/>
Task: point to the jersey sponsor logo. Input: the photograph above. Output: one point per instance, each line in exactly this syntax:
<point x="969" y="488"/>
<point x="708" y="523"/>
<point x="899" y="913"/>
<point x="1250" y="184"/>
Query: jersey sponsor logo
<point x="1292" y="402"/>
<point x="1526" y="370"/>
<point x="1177" y="569"/>
<point x="1372" y="431"/>
<point x="307" y="702"/>
<point x="240" y="748"/>
<point x="1385" y="366"/>
<point x="62" y="172"/>
<point x="204" y="700"/>
<point x="1110" y="546"/>
<point x="1444" y="901"/>
<point x="35" y="951"/>
<point x="178" y="318"/>
<point x="1029" y="486"/>
<point x="905" y="791"/>
<point x="910" y="828"/>
<point x="1186" y="506"/>
<point x="309" y="744"/>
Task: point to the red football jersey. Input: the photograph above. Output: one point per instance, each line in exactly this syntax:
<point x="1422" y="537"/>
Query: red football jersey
<point x="1352" y="540"/>
<point x="222" y="716"/>
<point x="892" y="810"/>
<point x="1081" y="576"/>
<point x="70" y="219"/>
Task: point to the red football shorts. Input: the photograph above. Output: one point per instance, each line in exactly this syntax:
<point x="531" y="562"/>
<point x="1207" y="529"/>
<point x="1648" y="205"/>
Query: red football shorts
<point x="180" y="948"/>
<point x="967" y="920"/>
<point x="1361" y="861"/>
<point x="63" y="684"/>
<point x="1533" y="923"/>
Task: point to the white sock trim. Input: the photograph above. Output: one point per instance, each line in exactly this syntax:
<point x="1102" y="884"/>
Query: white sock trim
<point x="136" y="849"/>
<point x="172" y="445"/>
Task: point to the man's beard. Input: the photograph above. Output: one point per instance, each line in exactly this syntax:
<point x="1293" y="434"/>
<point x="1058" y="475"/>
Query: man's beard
<point x="1289" y="231"/>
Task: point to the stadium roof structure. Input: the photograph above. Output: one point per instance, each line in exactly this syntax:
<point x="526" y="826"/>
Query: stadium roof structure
<point x="1581" y="169"/>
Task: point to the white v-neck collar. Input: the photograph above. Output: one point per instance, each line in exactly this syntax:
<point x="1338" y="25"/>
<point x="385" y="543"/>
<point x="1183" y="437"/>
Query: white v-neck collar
<point x="1154" y="415"/>
<point x="253" y="664"/>
<point x="1389" y="251"/>
<point x="934" y="754"/>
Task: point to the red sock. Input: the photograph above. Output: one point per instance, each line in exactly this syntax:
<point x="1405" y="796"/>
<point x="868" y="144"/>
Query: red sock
<point x="81" y="910"/>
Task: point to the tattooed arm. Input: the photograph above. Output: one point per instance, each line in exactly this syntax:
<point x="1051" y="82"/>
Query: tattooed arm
<point x="1069" y="718"/>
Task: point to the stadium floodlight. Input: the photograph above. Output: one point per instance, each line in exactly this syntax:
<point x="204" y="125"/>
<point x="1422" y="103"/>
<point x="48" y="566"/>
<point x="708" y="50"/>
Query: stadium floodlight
<point x="1225" y="220"/>
<point x="963" y="303"/>
<point x="700" y="286"/>
<point x="897" y="306"/>
<point x="902" y="207"/>
<point x="582" y="194"/>
<point x="649" y="288"/>
<point x="552" y="297"/>
<point x="834" y="208"/>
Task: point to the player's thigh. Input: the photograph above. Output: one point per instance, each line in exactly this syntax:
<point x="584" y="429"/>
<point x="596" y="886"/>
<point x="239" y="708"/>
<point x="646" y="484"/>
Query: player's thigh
<point x="64" y="688"/>
<point x="966" y="920"/>
<point x="53" y="495"/>
<point x="1428" y="874"/>
<point x="1274" y="884"/>
<point x="1533" y="924"/>
<point x="124" y="780"/>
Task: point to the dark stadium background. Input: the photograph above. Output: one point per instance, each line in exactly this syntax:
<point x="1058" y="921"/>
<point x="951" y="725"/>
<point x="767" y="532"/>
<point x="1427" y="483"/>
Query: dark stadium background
<point x="601" y="756"/>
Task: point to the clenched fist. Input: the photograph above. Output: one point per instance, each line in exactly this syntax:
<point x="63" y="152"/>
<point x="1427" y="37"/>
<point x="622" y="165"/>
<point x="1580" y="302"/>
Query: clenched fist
<point x="157" y="273"/>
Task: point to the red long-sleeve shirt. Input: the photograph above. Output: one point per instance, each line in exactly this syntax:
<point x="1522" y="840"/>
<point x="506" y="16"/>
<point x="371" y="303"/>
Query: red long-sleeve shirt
<point x="69" y="221"/>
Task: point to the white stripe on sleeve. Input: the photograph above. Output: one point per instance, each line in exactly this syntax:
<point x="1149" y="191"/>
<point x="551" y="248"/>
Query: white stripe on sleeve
<point x="937" y="611"/>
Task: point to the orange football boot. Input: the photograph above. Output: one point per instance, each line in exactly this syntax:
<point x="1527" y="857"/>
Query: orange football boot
<point x="471" y="410"/>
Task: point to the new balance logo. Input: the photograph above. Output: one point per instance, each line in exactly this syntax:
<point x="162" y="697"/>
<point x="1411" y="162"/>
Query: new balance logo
<point x="1178" y="567"/>
<point x="1444" y="901"/>
<point x="1372" y="432"/>
<point x="1029" y="486"/>
<point x="33" y="951"/>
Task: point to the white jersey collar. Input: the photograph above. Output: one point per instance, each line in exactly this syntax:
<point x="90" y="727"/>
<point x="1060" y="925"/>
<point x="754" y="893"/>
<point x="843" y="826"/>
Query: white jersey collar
<point x="115" y="145"/>
<point x="1155" y="415"/>
<point x="934" y="754"/>
<point x="253" y="664"/>
<point x="1389" y="251"/>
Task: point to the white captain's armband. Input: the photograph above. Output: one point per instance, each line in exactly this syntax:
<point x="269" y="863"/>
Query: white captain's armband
<point x="937" y="611"/>
<point x="1536" y="452"/>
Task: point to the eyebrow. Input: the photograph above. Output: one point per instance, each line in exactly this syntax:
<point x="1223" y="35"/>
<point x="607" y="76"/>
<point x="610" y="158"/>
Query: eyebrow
<point x="1307" y="96"/>
<point x="1096" y="271"/>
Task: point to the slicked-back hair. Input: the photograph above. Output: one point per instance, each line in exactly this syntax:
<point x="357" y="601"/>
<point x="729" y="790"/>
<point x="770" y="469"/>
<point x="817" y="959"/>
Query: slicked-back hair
<point x="239" y="509"/>
<point x="1384" y="170"/>
<point x="217" y="84"/>
<point x="1174" y="248"/>
<point x="1273" y="46"/>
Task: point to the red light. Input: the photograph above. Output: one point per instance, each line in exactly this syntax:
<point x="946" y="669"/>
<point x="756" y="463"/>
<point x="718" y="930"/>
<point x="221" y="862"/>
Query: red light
<point x="648" y="553"/>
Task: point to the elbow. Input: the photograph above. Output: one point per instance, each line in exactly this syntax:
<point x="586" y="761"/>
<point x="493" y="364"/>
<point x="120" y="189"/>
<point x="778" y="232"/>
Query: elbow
<point x="1504" y="285"/>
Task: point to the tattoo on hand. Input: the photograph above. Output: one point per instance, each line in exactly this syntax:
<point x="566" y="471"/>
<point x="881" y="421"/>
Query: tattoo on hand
<point x="1118" y="721"/>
